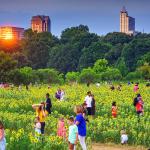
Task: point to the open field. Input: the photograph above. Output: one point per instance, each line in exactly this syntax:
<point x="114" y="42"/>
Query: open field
<point x="18" y="117"/>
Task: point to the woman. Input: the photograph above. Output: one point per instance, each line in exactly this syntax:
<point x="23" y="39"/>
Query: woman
<point x="88" y="100"/>
<point x="42" y="113"/>
<point x="81" y="124"/>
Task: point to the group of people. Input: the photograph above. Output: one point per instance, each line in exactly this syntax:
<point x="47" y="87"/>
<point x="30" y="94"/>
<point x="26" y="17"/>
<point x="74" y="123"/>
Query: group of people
<point x="77" y="125"/>
<point x="77" y="129"/>
<point x="42" y="111"/>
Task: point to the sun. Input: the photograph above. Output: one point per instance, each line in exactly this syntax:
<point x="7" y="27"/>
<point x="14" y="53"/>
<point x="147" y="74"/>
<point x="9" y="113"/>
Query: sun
<point x="6" y="33"/>
<point x="8" y="36"/>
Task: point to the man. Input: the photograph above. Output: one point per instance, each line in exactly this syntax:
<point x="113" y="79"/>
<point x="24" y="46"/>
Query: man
<point x="88" y="100"/>
<point x="48" y="104"/>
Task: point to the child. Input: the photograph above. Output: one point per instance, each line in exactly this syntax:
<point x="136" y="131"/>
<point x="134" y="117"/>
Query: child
<point x="37" y="126"/>
<point x="136" y="87"/>
<point x="124" y="137"/>
<point x="73" y="134"/>
<point x="61" y="131"/>
<point x="114" y="110"/>
<point x="2" y="137"/>
<point x="81" y="124"/>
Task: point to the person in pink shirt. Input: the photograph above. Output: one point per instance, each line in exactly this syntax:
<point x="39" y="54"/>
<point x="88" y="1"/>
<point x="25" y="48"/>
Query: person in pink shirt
<point x="61" y="131"/>
<point x="136" y="87"/>
<point x="2" y="137"/>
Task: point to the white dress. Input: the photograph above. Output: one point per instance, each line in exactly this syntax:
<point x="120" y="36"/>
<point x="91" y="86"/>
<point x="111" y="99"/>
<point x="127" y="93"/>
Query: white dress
<point x="124" y="138"/>
<point x="38" y="128"/>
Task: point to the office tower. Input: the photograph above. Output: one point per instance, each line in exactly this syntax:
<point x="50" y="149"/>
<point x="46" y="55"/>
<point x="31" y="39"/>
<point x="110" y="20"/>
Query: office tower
<point x="41" y="23"/>
<point x="9" y="33"/>
<point x="127" y="23"/>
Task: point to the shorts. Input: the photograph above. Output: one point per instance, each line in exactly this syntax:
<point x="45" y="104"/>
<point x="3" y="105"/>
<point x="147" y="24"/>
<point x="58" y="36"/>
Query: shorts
<point x="42" y="127"/>
<point x="89" y="109"/>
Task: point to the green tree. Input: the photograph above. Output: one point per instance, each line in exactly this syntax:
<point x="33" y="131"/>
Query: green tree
<point x="117" y="38"/>
<point x="100" y="65"/>
<point x="72" y="76"/>
<point x="7" y="64"/>
<point x="22" y="76"/>
<point x="111" y="74"/>
<point x="87" y="76"/>
<point x="145" y="71"/>
<point x="134" y="51"/>
<point x="133" y="75"/>
<point x="122" y="66"/>
<point x="36" y="46"/>
<point x="49" y="76"/>
<point x="64" y="58"/>
<point x="94" y="52"/>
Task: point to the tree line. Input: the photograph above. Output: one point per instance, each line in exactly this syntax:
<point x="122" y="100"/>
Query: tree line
<point x="76" y="54"/>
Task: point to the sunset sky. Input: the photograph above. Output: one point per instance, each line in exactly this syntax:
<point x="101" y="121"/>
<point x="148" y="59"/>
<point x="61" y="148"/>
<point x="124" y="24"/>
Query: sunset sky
<point x="102" y="16"/>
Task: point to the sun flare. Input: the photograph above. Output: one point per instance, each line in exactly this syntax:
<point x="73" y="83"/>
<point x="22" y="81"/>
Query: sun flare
<point x="8" y="36"/>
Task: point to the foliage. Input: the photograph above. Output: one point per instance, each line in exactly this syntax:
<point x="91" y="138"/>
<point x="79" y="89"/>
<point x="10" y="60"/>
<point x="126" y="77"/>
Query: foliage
<point x="72" y="76"/>
<point x="117" y="38"/>
<point x="87" y="76"/>
<point x="94" y="52"/>
<point x="76" y="49"/>
<point x="122" y="66"/>
<point x="134" y="75"/>
<point x="145" y="71"/>
<point x="6" y="65"/>
<point x="134" y="50"/>
<point x="48" y="76"/>
<point x="22" y="76"/>
<point x="100" y="65"/>
<point x="111" y="74"/>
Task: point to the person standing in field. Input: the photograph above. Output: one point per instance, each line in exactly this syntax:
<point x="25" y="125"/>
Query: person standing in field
<point x="2" y="137"/>
<point x="88" y="100"/>
<point x="73" y="134"/>
<point x="37" y="127"/>
<point x="42" y="113"/>
<point x="61" y="131"/>
<point x="138" y="103"/>
<point x="136" y="87"/>
<point x="81" y="124"/>
<point x="114" y="110"/>
<point x="48" y="104"/>
<point x="93" y="106"/>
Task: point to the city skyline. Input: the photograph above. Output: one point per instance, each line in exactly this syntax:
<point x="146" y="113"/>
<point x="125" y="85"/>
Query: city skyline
<point x="100" y="16"/>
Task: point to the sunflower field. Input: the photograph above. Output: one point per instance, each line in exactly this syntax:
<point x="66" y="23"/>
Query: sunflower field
<point x="18" y="116"/>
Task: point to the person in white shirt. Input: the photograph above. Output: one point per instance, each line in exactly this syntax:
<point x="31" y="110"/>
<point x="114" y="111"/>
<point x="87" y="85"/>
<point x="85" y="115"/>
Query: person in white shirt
<point x="88" y="100"/>
<point x="124" y="137"/>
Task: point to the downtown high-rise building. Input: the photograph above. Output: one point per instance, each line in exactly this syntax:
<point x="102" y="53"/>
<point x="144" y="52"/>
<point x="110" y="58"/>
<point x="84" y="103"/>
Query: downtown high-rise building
<point x="41" y="23"/>
<point x="127" y="23"/>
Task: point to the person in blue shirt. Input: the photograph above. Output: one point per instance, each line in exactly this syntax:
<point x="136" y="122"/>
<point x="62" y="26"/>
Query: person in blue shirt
<point x="81" y="124"/>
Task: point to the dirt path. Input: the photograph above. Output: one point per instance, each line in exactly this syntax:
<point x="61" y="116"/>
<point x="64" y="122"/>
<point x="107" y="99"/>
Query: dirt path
<point x="97" y="146"/>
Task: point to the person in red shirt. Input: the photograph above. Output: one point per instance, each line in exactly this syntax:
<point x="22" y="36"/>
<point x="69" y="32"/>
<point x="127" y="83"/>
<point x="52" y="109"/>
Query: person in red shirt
<point x="139" y="108"/>
<point x="114" y="110"/>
